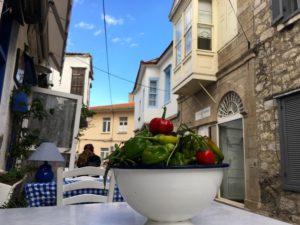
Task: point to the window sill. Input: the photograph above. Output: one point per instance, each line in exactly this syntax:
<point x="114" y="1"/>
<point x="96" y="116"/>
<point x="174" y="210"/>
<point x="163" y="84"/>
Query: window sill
<point x="105" y="132"/>
<point x="204" y="52"/>
<point x="290" y="21"/>
<point x="122" y="132"/>
<point x="187" y="57"/>
<point x="177" y="67"/>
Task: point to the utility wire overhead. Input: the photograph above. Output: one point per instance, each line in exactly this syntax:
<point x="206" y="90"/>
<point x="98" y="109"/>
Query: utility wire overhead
<point x="106" y="48"/>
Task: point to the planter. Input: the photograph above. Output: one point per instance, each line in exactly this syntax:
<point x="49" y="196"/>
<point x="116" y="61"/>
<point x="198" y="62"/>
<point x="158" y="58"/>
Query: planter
<point x="6" y="191"/>
<point x="20" y="102"/>
<point x="169" y="194"/>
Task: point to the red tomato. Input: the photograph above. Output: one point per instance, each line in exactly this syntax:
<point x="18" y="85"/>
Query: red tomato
<point x="161" y="125"/>
<point x="205" y="157"/>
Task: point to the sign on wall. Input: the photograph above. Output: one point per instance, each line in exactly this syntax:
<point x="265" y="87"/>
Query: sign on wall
<point x="203" y="113"/>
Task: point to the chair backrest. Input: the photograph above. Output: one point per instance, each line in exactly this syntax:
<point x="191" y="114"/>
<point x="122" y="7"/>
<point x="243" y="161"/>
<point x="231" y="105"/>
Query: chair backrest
<point x="80" y="184"/>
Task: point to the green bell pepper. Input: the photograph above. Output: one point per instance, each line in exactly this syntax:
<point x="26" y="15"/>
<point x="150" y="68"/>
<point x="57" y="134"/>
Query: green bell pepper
<point x="134" y="147"/>
<point x="155" y="154"/>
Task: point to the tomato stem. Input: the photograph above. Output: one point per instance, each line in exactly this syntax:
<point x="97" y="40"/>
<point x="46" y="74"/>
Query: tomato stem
<point x="164" y="113"/>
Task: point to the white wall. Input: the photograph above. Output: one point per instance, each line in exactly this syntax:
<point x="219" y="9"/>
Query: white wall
<point x="16" y="41"/>
<point x="142" y="110"/>
<point x="63" y="83"/>
<point x="1" y="6"/>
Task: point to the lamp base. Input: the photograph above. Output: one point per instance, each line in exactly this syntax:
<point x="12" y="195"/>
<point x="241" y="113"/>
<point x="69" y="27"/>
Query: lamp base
<point x="44" y="173"/>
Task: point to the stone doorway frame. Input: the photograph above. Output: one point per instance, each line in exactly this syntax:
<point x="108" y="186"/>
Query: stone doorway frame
<point x="225" y="119"/>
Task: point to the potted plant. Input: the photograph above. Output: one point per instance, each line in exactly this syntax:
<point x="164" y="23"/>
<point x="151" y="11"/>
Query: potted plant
<point x="22" y="140"/>
<point x="20" y="99"/>
<point x="167" y="176"/>
<point x="10" y="182"/>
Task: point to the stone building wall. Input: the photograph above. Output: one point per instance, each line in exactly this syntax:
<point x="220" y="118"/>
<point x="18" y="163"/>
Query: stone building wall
<point x="235" y="73"/>
<point x="277" y="70"/>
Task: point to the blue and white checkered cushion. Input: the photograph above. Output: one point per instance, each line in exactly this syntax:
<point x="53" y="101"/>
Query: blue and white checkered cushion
<point x="44" y="194"/>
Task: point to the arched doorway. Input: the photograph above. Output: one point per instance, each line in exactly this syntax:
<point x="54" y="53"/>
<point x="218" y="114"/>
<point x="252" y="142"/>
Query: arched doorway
<point x="231" y="141"/>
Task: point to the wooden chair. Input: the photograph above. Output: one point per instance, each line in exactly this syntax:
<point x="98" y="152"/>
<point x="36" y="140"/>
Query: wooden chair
<point x="83" y="184"/>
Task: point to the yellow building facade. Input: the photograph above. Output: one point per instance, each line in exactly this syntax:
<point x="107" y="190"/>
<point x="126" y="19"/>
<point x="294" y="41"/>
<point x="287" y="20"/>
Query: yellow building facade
<point x="111" y="124"/>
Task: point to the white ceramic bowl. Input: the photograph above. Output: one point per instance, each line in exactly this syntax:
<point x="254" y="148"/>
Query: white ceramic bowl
<point x="165" y="195"/>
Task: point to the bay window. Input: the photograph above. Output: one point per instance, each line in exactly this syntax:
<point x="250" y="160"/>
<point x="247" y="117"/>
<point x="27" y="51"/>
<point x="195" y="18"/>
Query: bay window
<point x="178" y="41"/>
<point x="204" y="25"/>
<point x="188" y="29"/>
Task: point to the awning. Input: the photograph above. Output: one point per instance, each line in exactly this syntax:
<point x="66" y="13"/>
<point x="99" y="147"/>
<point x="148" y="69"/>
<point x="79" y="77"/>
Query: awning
<point x="56" y="32"/>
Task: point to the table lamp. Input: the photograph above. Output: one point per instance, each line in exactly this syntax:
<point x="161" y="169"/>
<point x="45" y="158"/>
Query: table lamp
<point x="47" y="151"/>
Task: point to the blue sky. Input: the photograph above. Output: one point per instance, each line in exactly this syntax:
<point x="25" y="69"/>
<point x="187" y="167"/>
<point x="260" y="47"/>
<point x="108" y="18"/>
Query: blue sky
<point x="136" y="30"/>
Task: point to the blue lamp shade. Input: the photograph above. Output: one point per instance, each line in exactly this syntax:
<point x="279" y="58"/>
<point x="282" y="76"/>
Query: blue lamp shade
<point x="47" y="151"/>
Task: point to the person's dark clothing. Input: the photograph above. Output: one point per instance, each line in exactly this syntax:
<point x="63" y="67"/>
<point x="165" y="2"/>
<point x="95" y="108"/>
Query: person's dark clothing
<point x="94" y="161"/>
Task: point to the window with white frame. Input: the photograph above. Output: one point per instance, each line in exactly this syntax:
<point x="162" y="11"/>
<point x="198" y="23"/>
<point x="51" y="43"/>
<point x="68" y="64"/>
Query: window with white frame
<point x="178" y="41"/>
<point x="167" y="84"/>
<point x="104" y="152"/>
<point x="106" y="125"/>
<point x="204" y="25"/>
<point x="153" y="93"/>
<point x="123" y="124"/>
<point x="188" y="29"/>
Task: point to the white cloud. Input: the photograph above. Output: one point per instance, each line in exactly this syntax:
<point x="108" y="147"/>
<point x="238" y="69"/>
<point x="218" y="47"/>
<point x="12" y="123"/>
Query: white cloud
<point x="116" y="40"/>
<point x="110" y="20"/>
<point x="128" y="40"/>
<point x="141" y="34"/>
<point x="130" y="17"/>
<point x="133" y="45"/>
<point x="124" y="41"/>
<point x="97" y="32"/>
<point x="79" y="2"/>
<point x="84" y="25"/>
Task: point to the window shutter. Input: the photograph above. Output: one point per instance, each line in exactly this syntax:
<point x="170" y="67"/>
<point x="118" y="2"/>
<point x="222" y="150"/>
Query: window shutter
<point x="290" y="141"/>
<point x="277" y="10"/>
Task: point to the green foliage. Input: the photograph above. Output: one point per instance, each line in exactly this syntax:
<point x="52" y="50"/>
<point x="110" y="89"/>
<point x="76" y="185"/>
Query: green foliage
<point x="16" y="201"/>
<point x="85" y="113"/>
<point x="24" y="88"/>
<point x="25" y="138"/>
<point x="11" y="177"/>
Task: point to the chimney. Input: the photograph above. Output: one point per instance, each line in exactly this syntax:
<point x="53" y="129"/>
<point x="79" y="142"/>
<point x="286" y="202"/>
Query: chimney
<point x="130" y="97"/>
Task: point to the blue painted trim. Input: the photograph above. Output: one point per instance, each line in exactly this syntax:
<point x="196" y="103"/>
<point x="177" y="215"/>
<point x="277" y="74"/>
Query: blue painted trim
<point x="167" y="95"/>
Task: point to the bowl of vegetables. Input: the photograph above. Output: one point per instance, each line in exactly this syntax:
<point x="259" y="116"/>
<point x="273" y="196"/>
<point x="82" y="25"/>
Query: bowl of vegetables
<point x="168" y="177"/>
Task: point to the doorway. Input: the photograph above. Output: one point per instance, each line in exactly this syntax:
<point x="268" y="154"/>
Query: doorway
<point x="231" y="142"/>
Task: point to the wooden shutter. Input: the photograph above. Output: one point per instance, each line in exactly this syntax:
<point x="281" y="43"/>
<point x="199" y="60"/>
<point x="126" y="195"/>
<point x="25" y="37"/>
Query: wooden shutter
<point x="289" y="121"/>
<point x="277" y="10"/>
<point x="77" y="83"/>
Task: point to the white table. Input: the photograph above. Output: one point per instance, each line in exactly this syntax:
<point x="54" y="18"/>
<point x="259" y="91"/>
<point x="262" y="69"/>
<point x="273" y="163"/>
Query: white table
<point x="122" y="214"/>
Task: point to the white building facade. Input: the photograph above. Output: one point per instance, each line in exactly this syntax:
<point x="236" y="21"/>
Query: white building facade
<point x="76" y="77"/>
<point x="152" y="90"/>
